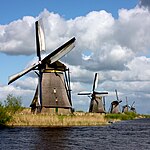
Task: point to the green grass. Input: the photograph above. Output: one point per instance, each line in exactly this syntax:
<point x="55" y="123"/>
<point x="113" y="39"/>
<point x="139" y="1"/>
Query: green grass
<point x="124" y="116"/>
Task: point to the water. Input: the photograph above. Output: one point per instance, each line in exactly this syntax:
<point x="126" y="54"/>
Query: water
<point x="125" y="135"/>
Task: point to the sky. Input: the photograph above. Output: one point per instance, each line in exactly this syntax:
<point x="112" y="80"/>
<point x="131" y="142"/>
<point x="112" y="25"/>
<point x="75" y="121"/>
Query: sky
<point x="112" y="38"/>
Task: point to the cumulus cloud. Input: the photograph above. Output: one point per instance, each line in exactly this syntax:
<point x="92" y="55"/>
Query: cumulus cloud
<point x="117" y="49"/>
<point x="112" y="42"/>
<point x="17" y="38"/>
<point x="26" y="94"/>
<point x="144" y="3"/>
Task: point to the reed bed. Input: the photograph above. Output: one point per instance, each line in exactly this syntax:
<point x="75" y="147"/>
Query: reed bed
<point x="52" y="120"/>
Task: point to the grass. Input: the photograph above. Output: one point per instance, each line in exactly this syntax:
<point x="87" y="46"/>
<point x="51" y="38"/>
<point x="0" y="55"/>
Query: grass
<point x="13" y="114"/>
<point x="126" y="116"/>
<point x="25" y="118"/>
<point x="76" y="119"/>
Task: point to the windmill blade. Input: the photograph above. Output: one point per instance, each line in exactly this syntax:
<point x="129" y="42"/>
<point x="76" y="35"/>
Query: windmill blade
<point x="18" y="75"/>
<point x="101" y="92"/>
<point x="132" y="104"/>
<point x="95" y="83"/>
<point x="84" y="93"/>
<point x="60" y="52"/>
<point x="117" y="95"/>
<point x="120" y="101"/>
<point x="40" y="39"/>
<point x="126" y="101"/>
<point x="54" y="56"/>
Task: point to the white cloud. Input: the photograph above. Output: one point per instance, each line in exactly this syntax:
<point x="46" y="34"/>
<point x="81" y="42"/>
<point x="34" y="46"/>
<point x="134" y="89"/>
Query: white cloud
<point x="119" y="51"/>
<point x="25" y="94"/>
<point x="17" y="37"/>
<point x="132" y="29"/>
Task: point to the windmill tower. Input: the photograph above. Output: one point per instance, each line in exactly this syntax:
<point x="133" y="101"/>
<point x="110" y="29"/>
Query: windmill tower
<point x="50" y="75"/>
<point x="126" y="107"/>
<point x="114" y="108"/>
<point x="97" y="103"/>
<point x="56" y="91"/>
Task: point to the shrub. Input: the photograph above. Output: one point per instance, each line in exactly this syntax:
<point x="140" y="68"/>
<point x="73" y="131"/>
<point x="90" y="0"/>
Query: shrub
<point x="13" y="104"/>
<point x="4" y="116"/>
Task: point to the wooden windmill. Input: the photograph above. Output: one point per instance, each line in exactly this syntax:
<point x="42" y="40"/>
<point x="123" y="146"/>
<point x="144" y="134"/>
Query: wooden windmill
<point x="97" y="103"/>
<point x="51" y="90"/>
<point x="132" y="108"/>
<point x="128" y="108"/>
<point x="114" y="108"/>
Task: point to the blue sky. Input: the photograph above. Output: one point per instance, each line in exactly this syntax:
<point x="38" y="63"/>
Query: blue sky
<point x="10" y="11"/>
<point x="115" y="33"/>
<point x="17" y="9"/>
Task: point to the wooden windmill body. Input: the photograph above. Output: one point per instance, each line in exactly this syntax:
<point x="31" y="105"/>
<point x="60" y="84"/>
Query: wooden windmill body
<point x="114" y="107"/>
<point x="97" y="103"/>
<point x="125" y="108"/>
<point x="128" y="108"/>
<point x="51" y="90"/>
<point x="55" y="91"/>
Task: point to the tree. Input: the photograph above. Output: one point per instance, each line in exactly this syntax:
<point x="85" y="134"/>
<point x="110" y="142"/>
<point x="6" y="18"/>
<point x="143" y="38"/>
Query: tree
<point x="13" y="104"/>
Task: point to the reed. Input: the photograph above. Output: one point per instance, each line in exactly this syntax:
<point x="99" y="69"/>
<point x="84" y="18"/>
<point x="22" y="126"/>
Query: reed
<point x="47" y="119"/>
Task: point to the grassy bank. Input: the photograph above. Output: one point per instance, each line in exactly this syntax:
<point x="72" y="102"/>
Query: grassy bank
<point x="13" y="114"/>
<point x="122" y="116"/>
<point x="25" y="118"/>
<point x="76" y="119"/>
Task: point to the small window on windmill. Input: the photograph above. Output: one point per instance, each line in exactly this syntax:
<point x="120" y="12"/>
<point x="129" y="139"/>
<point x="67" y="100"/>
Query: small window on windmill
<point x="54" y="91"/>
<point x="56" y="100"/>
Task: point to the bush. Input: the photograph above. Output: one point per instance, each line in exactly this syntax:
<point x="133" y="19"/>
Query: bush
<point x="13" y="104"/>
<point x="4" y="116"/>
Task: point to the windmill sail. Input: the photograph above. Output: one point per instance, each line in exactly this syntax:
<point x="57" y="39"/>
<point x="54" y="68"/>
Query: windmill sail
<point x="60" y="52"/>
<point x="18" y="75"/>
<point x="40" y="39"/>
<point x="95" y="81"/>
<point x="54" y="56"/>
<point x="84" y="93"/>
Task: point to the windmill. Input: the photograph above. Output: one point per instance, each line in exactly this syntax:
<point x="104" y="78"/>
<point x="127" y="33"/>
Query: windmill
<point x="47" y="63"/>
<point x="97" y="103"/>
<point x="132" y="108"/>
<point x="114" y="108"/>
<point x="126" y="107"/>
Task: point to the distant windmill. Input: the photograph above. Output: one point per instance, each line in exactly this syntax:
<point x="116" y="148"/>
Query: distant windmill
<point x="97" y="104"/>
<point x="114" y="108"/>
<point x="126" y="107"/>
<point x="43" y="65"/>
<point x="132" y="108"/>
